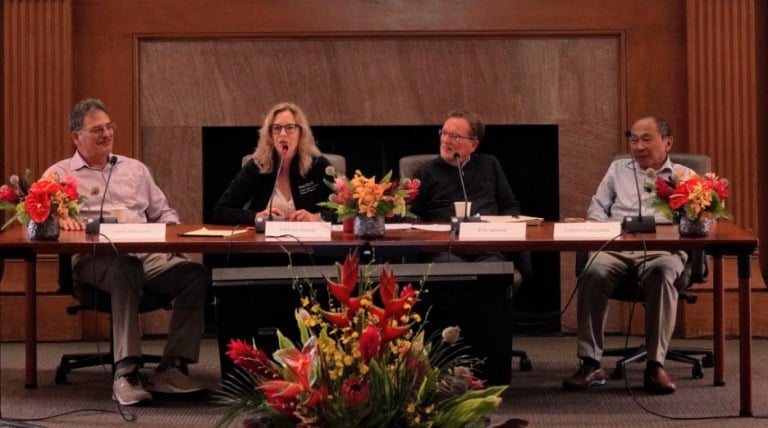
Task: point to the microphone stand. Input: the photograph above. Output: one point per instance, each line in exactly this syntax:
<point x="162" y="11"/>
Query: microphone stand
<point x="641" y="223"/>
<point x="455" y="220"/>
<point x="93" y="227"/>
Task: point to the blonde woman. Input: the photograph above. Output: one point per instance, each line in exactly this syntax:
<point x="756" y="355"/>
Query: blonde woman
<point x="285" y="137"/>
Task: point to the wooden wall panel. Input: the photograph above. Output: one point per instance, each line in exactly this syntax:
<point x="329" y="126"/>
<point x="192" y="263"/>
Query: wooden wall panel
<point x="722" y="97"/>
<point x="37" y="83"/>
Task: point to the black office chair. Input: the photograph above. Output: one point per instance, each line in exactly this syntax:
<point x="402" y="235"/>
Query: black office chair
<point x="92" y="299"/>
<point x="523" y="264"/>
<point x="696" y="272"/>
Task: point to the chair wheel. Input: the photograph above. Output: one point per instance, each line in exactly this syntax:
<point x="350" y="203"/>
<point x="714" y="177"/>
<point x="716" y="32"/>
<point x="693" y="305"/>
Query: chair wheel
<point x="61" y="376"/>
<point x="708" y="361"/>
<point x="618" y="373"/>
<point x="526" y="365"/>
<point x="698" y="371"/>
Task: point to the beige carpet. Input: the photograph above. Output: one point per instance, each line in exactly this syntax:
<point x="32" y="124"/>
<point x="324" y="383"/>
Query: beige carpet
<point x="535" y="396"/>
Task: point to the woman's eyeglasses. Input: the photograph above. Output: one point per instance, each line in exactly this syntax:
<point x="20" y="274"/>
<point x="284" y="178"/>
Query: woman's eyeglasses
<point x="290" y="128"/>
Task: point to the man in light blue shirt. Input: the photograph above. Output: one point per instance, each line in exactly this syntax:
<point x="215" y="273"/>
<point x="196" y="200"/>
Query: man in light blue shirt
<point x="126" y="276"/>
<point x="657" y="271"/>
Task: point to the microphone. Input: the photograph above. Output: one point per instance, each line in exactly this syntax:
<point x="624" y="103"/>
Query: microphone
<point x="641" y="223"/>
<point x="93" y="226"/>
<point x="456" y="220"/>
<point x="261" y="223"/>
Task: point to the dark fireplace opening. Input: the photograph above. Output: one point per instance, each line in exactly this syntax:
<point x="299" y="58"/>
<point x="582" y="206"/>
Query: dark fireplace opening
<point x="528" y="155"/>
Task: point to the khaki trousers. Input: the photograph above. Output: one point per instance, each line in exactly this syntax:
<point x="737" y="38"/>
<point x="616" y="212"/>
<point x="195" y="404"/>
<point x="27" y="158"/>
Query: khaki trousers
<point x="657" y="272"/>
<point x="125" y="277"/>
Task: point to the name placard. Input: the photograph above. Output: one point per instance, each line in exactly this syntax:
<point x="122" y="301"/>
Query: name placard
<point x="122" y="232"/>
<point x="310" y="230"/>
<point x="604" y="230"/>
<point x="491" y="231"/>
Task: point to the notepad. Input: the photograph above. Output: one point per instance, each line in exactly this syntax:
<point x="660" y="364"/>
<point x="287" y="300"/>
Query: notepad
<point x="530" y="221"/>
<point x="204" y="231"/>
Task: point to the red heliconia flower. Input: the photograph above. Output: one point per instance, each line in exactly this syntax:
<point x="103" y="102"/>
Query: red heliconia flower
<point x="370" y="343"/>
<point x="339" y="319"/>
<point x="395" y="304"/>
<point x="38" y="206"/>
<point x="347" y="280"/>
<point x="391" y="332"/>
<point x="354" y="391"/>
<point x="252" y="359"/>
<point x="7" y="194"/>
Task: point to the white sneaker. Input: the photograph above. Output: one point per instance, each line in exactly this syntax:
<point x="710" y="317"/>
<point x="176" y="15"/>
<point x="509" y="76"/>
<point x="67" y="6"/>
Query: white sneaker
<point x="173" y="381"/>
<point x="128" y="390"/>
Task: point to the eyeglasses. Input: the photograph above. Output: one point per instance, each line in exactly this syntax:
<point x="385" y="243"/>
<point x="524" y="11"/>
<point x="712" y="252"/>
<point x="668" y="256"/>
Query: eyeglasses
<point x="453" y="136"/>
<point x="98" y="130"/>
<point x="290" y="128"/>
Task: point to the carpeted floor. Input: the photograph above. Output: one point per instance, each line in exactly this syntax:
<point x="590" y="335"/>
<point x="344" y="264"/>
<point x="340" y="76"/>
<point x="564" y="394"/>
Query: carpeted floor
<point x="535" y="396"/>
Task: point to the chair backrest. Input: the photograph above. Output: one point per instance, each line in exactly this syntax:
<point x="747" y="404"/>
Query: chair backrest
<point x="409" y="164"/>
<point x="339" y="162"/>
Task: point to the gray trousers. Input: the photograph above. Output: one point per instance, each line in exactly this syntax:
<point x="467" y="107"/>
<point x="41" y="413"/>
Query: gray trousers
<point x="657" y="277"/>
<point x="125" y="277"/>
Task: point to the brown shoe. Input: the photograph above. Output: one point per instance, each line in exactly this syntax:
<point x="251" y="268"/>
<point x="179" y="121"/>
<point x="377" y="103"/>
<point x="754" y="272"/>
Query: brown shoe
<point x="657" y="381"/>
<point x="587" y="376"/>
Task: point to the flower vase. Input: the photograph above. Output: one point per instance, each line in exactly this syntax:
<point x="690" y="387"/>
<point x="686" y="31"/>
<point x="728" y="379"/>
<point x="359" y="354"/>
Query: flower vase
<point x="45" y="231"/>
<point x="369" y="227"/>
<point x="698" y="227"/>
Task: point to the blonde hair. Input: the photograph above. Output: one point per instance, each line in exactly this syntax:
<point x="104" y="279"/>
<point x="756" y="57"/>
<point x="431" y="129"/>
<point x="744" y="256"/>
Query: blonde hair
<point x="265" y="149"/>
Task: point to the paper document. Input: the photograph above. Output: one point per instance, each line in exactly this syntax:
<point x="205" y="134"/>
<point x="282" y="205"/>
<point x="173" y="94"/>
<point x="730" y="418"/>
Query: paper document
<point x="530" y="221"/>
<point x="433" y="227"/>
<point x="204" y="231"/>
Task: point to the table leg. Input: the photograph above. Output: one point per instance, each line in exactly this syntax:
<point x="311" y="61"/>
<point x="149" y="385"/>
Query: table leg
<point x="718" y="319"/>
<point x="30" y="323"/>
<point x="745" y="336"/>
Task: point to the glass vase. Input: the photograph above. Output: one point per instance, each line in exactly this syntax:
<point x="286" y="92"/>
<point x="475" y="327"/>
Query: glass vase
<point x="698" y="227"/>
<point x="45" y="231"/>
<point x="369" y="227"/>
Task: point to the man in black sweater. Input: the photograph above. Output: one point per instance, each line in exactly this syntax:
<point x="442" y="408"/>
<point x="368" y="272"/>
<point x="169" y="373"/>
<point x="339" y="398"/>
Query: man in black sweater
<point x="486" y="185"/>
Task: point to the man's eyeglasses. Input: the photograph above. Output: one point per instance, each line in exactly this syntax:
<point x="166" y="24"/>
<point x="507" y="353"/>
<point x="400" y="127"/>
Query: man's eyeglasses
<point x="98" y="130"/>
<point x="289" y="128"/>
<point x="453" y="136"/>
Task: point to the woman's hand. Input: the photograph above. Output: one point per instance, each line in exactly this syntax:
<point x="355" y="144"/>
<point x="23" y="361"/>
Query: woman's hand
<point x="265" y="213"/>
<point x="304" y="215"/>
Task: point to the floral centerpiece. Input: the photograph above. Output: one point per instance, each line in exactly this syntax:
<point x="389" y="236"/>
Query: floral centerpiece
<point x="363" y="196"/>
<point x="359" y="364"/>
<point x="45" y="200"/>
<point x="691" y="200"/>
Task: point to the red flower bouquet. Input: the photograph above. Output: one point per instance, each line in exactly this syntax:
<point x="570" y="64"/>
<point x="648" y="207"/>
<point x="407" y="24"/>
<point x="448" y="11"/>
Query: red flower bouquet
<point x="40" y="200"/>
<point x="361" y="362"/>
<point x="695" y="197"/>
<point x="363" y="196"/>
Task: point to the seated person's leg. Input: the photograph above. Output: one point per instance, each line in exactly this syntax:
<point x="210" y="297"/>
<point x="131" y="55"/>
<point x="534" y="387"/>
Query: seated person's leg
<point x="595" y="286"/>
<point x="121" y="277"/>
<point x="188" y="284"/>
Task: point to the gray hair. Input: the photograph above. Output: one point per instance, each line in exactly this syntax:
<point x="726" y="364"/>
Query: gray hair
<point x="82" y="109"/>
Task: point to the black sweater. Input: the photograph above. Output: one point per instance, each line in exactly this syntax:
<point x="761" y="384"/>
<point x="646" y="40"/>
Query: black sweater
<point x="487" y="189"/>
<point x="250" y="185"/>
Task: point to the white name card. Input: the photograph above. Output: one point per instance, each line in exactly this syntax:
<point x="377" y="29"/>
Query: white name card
<point x="314" y="230"/>
<point x="122" y="232"/>
<point x="604" y="230"/>
<point x="491" y="231"/>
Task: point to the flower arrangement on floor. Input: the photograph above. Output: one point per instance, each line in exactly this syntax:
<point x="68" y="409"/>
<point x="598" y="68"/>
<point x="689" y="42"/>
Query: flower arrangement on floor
<point x="694" y="197"/>
<point x="359" y="364"/>
<point x="49" y="197"/>
<point x="363" y="196"/>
